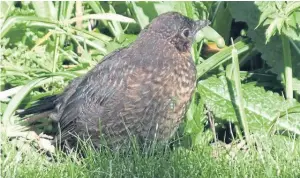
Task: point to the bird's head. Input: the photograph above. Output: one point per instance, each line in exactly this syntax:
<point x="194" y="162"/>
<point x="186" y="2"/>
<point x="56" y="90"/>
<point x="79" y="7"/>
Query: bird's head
<point x="176" y="28"/>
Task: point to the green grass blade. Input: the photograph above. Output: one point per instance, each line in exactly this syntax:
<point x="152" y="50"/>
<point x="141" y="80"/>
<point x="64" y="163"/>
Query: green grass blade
<point x="17" y="99"/>
<point x="222" y="56"/>
<point x="5" y="8"/>
<point x="45" y="9"/>
<point x="239" y="97"/>
<point x="46" y="23"/>
<point x="55" y="54"/>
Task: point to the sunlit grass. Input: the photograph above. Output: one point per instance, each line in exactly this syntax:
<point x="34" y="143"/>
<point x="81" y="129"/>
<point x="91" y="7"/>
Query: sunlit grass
<point x="273" y="158"/>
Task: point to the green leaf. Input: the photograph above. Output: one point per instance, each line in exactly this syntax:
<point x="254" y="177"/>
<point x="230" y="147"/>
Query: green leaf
<point x="223" y="56"/>
<point x="296" y="85"/>
<point x="262" y="107"/>
<point x="292" y="7"/>
<point x="17" y="99"/>
<point x="291" y="28"/>
<point x="84" y="36"/>
<point x="115" y="26"/>
<point x="271" y="30"/>
<point x="5" y="8"/>
<point x="250" y="12"/>
<point x="146" y="11"/>
<point x="45" y="9"/>
<point x="241" y="116"/>
<point x="265" y="14"/>
<point x="222" y="21"/>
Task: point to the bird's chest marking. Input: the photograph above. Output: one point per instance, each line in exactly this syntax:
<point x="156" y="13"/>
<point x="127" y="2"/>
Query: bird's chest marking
<point x="180" y="85"/>
<point x="184" y="77"/>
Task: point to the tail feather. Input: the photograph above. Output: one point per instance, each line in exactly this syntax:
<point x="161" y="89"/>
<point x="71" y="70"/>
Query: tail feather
<point x="43" y="105"/>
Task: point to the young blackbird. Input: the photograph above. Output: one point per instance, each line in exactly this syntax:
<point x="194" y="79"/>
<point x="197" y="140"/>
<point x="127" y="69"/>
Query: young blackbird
<point x="141" y="90"/>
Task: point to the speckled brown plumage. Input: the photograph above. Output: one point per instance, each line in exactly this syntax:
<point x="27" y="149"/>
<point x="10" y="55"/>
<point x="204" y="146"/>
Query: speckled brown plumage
<point x="142" y="90"/>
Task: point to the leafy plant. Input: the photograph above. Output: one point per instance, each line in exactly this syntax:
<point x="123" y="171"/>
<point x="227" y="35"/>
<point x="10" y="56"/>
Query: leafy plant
<point x="263" y="108"/>
<point x="279" y="17"/>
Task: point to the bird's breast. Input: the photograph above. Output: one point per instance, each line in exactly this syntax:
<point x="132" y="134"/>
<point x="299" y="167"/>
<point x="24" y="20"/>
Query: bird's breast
<point x="184" y="81"/>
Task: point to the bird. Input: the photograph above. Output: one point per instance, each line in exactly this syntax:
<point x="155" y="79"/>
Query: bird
<point x="141" y="91"/>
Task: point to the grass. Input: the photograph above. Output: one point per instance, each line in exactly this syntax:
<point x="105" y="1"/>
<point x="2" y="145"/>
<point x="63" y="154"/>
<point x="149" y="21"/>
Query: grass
<point x="271" y="158"/>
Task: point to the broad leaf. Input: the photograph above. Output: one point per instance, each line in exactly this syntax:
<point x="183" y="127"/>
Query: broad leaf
<point x="262" y="108"/>
<point x="253" y="14"/>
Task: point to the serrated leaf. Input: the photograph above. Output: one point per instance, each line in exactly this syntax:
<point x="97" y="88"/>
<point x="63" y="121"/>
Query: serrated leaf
<point x="250" y="12"/>
<point x="271" y="30"/>
<point x="296" y="85"/>
<point x="262" y="107"/>
<point x="264" y="16"/>
<point x="291" y="28"/>
<point x="279" y="4"/>
<point x="292" y="7"/>
<point x="280" y="25"/>
<point x="290" y="121"/>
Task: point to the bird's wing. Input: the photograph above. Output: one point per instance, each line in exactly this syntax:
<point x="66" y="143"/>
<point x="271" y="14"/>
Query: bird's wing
<point x="85" y="101"/>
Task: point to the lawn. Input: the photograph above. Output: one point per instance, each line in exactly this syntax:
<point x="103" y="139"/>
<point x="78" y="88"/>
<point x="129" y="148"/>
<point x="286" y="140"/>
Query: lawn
<point x="271" y="157"/>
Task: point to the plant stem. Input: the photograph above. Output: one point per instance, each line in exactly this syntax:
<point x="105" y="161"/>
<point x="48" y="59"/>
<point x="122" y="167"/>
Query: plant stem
<point x="288" y="72"/>
<point x="79" y="14"/>
<point x="236" y="75"/>
<point x="222" y="56"/>
<point x="56" y="53"/>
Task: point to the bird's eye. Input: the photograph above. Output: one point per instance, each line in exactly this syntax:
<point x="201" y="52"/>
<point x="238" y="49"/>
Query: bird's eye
<point x="185" y="33"/>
